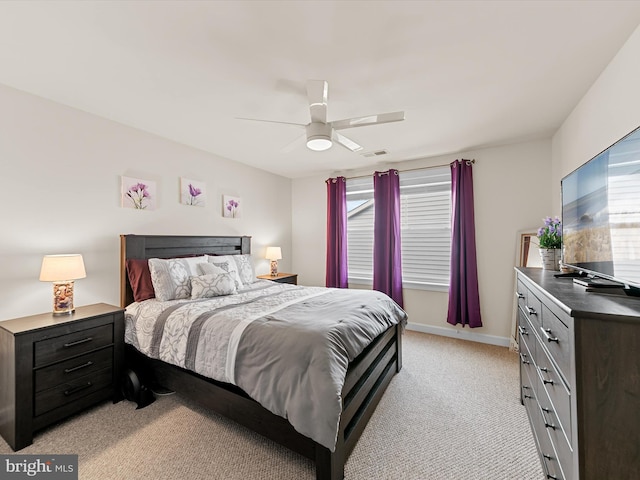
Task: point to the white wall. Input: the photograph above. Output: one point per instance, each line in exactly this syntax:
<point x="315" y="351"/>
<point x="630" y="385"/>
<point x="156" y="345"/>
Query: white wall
<point x="60" y="193"/>
<point x="512" y="193"/>
<point x="515" y="186"/>
<point x="607" y="112"/>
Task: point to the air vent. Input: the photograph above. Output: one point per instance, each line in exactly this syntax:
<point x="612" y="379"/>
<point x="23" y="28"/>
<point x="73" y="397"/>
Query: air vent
<point x="376" y="153"/>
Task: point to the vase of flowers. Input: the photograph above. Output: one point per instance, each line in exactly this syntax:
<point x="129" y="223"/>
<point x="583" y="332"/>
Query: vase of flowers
<point x="550" y="237"/>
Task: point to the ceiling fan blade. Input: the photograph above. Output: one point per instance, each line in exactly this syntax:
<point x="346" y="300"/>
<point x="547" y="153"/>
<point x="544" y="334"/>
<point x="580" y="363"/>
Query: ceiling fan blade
<point x="318" y="94"/>
<point x="368" y="120"/>
<point x="346" y="142"/>
<point x="270" y="121"/>
<point x="299" y="141"/>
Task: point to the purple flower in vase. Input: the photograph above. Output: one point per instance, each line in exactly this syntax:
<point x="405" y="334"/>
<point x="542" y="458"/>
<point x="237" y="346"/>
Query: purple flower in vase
<point x="550" y="234"/>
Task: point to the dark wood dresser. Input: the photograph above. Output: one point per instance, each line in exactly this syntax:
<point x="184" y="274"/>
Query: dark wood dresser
<point x="580" y="376"/>
<point x="54" y="366"/>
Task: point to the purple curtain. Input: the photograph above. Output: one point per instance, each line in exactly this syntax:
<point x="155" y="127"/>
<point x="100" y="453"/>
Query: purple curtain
<point x="464" y="299"/>
<point x="336" y="275"/>
<point x="387" y="261"/>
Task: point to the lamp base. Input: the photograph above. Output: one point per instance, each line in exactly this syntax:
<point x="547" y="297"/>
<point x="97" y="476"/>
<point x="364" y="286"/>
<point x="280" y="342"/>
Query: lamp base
<point x="274" y="268"/>
<point x="63" y="298"/>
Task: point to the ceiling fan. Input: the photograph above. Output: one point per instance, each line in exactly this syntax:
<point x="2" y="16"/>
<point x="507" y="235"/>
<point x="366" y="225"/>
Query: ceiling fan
<point x="320" y="133"/>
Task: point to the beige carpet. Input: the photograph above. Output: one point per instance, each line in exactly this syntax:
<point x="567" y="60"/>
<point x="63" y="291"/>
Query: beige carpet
<point x="453" y="412"/>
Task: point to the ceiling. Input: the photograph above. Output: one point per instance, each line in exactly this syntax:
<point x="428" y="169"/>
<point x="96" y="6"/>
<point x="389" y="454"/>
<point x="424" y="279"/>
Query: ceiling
<point x="468" y="74"/>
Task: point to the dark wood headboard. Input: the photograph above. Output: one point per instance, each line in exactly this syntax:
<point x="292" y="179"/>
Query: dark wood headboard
<point x="169" y="246"/>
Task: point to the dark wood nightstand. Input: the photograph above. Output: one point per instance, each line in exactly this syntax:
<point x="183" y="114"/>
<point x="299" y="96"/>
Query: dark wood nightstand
<point x="52" y="366"/>
<point x="281" y="278"/>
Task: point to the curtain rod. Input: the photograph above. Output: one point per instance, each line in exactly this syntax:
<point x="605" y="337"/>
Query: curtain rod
<point x="472" y="161"/>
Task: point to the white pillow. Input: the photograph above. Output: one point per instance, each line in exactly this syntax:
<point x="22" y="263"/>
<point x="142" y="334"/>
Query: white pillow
<point x="171" y="277"/>
<point x="246" y="271"/>
<point x="228" y="264"/>
<point x="212" y="285"/>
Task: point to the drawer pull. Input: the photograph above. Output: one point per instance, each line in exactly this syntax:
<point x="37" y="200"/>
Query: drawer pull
<point x="548" y="425"/>
<point x="84" y="365"/>
<point x="519" y="295"/>
<point x="548" y="457"/>
<point x="523" y="357"/>
<point x="547" y="382"/>
<point x="528" y="396"/>
<point x="77" y="389"/>
<point x="78" y="342"/>
<point x="531" y="310"/>
<point x="522" y="330"/>
<point x="552" y="477"/>
<point x="547" y="334"/>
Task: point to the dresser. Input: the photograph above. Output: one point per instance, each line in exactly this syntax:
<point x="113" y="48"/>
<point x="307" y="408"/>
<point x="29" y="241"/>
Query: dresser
<point x="54" y="366"/>
<point x="580" y="376"/>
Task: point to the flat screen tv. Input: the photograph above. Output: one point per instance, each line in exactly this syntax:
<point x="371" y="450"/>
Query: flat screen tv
<point x="601" y="215"/>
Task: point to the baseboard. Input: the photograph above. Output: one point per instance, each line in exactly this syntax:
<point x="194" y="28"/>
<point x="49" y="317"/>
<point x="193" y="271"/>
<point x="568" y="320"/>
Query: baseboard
<point x="459" y="333"/>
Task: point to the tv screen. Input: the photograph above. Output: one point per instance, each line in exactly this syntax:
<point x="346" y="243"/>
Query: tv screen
<point x="601" y="214"/>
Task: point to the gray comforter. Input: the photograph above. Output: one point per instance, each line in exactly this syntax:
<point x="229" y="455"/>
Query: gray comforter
<point x="287" y="346"/>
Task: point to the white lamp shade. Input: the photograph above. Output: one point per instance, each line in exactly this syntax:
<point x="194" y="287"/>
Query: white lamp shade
<point x="273" y="253"/>
<point x="56" y="268"/>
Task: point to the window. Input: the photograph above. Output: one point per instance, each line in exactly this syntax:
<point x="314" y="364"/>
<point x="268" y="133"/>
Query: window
<point x="425" y="210"/>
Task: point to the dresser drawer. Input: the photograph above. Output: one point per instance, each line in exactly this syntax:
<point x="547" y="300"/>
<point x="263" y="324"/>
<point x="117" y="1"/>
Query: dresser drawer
<point x="72" y="369"/>
<point x="545" y="447"/>
<point x="555" y="336"/>
<point x="553" y="393"/>
<point x="521" y="294"/>
<point x="76" y="343"/>
<point x="527" y="358"/>
<point x="525" y="331"/>
<point x="69" y="391"/>
<point x="533" y="309"/>
<point x="558" y="438"/>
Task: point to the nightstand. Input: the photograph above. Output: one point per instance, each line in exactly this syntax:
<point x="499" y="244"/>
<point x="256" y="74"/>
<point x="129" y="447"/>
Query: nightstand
<point x="281" y="278"/>
<point x="52" y="366"/>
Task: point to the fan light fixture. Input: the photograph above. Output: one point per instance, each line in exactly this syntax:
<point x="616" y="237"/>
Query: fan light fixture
<point x="319" y="143"/>
<point x="320" y="133"/>
<point x="319" y="136"/>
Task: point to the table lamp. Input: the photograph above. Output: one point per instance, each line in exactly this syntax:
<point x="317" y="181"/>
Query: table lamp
<point x="274" y="254"/>
<point x="62" y="270"/>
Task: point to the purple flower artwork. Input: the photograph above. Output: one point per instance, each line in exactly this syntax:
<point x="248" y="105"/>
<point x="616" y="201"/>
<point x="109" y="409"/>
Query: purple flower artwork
<point x="192" y="193"/>
<point x="231" y="206"/>
<point x="138" y="194"/>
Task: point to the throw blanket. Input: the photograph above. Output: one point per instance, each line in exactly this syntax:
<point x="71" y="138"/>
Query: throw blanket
<point x="286" y="346"/>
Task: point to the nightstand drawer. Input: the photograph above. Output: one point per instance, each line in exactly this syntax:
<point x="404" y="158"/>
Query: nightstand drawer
<point x="72" y="369"/>
<point x="72" y="344"/>
<point x="293" y="279"/>
<point x="69" y="391"/>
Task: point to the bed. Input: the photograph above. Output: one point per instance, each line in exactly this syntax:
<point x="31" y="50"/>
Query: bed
<point x="365" y="376"/>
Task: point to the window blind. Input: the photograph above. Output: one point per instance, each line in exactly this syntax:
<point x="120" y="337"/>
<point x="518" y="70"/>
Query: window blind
<point x="425" y="205"/>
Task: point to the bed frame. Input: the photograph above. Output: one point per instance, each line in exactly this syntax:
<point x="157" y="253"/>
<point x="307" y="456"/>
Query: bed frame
<point x="367" y="377"/>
